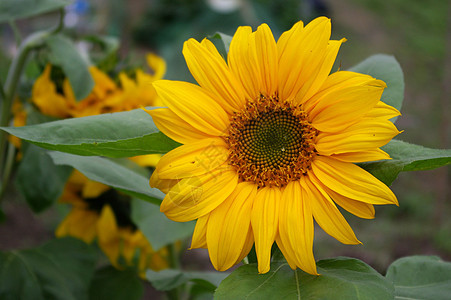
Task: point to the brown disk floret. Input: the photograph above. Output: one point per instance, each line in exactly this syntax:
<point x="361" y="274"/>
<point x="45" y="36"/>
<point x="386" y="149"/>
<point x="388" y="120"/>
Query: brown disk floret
<point x="271" y="142"/>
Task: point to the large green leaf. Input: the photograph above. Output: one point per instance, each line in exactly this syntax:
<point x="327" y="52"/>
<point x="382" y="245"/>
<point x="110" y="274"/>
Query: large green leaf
<point x="169" y="279"/>
<point x="158" y="229"/>
<point x="121" y="134"/>
<point x="112" y="284"/>
<point x="39" y="180"/>
<point x="407" y="157"/>
<point x="111" y="173"/>
<point x="60" y="269"/>
<point x="341" y="278"/>
<point x="13" y="9"/>
<point x="386" y="68"/>
<point x="421" y="277"/>
<point x="64" y="53"/>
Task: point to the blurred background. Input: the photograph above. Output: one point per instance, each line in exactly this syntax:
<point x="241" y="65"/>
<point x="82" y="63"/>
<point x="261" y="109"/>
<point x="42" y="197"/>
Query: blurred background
<point x="416" y="33"/>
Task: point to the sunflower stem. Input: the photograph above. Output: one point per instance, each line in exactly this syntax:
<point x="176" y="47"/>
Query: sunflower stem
<point x="8" y="168"/>
<point x="16" y="31"/>
<point x="8" y="92"/>
<point x="174" y="263"/>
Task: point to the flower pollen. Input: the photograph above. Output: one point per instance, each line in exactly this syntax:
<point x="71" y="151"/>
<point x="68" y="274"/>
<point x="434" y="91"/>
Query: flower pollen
<point x="271" y="142"/>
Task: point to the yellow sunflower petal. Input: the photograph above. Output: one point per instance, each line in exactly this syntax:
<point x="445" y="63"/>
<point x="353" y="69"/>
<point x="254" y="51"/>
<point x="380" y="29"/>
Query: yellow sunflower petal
<point x="296" y="226"/>
<point x="284" y="40"/>
<point x="267" y="59"/>
<point x="128" y="244"/>
<point x="46" y="98"/>
<point x="199" y="239"/>
<point x="79" y="223"/>
<point x="316" y="80"/>
<point x="103" y="83"/>
<point x="265" y="223"/>
<point x="148" y="160"/>
<point x="326" y="214"/>
<point x="193" y="159"/>
<point x="157" y="64"/>
<point x="242" y="60"/>
<point x="175" y="127"/>
<point x="287" y="252"/>
<point x="383" y="111"/>
<point x="229" y="226"/>
<point x="303" y="52"/>
<point x="358" y="208"/>
<point x="191" y="103"/>
<point x="340" y="108"/>
<point x="211" y="72"/>
<point x="164" y="185"/>
<point x="193" y="197"/>
<point x="93" y="189"/>
<point x="248" y="243"/>
<point x="108" y="234"/>
<point x="352" y="181"/>
<point x="364" y="135"/>
<point x="335" y="83"/>
<point x="362" y="156"/>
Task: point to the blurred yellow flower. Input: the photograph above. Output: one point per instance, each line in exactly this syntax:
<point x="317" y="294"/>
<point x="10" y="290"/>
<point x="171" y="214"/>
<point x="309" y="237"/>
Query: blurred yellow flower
<point x="106" y="96"/>
<point x="270" y="139"/>
<point x="99" y="212"/>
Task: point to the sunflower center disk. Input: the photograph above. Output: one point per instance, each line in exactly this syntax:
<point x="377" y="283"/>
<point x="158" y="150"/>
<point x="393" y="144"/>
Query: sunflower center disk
<point x="271" y="143"/>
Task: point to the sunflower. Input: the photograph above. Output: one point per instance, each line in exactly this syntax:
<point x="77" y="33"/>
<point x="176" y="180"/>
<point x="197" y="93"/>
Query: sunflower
<point x="99" y="212"/>
<point x="106" y="96"/>
<point x="270" y="139"/>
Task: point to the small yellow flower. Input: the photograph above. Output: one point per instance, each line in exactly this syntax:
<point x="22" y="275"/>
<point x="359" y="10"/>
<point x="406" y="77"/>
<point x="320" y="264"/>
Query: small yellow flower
<point x="97" y="213"/>
<point x="270" y="139"/>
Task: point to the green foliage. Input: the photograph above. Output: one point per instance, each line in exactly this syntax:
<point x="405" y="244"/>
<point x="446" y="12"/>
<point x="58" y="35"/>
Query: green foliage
<point x="112" y="284"/>
<point x="39" y="180"/>
<point x="156" y="227"/>
<point x="345" y="278"/>
<point x="222" y="43"/>
<point x="106" y="58"/>
<point x="169" y="279"/>
<point x="11" y="10"/>
<point x="407" y="157"/>
<point x="111" y="173"/>
<point x="386" y="68"/>
<point x="121" y="134"/>
<point x="64" y="53"/>
<point x="421" y="277"/>
<point x="60" y="269"/>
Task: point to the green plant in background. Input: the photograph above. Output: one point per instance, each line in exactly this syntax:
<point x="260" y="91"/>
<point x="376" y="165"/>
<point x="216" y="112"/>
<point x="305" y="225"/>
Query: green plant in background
<point x="113" y="192"/>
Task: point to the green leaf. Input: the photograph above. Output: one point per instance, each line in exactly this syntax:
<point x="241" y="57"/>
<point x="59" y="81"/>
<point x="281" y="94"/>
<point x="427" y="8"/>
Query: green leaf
<point x="386" y="68"/>
<point x="420" y="277"/>
<point x="60" y="269"/>
<point x="222" y="43"/>
<point x="112" y="284"/>
<point x="111" y="173"/>
<point x="106" y="57"/>
<point x="341" y="278"/>
<point x="121" y="134"/>
<point x="157" y="228"/>
<point x="39" y="180"/>
<point x="407" y="157"/>
<point x="11" y="9"/>
<point x="169" y="279"/>
<point x="64" y="53"/>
